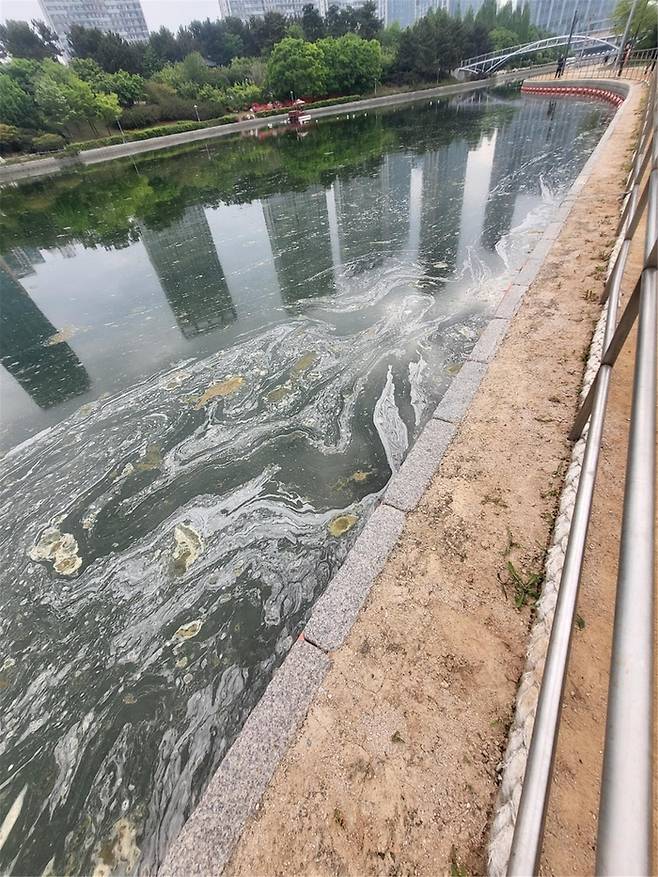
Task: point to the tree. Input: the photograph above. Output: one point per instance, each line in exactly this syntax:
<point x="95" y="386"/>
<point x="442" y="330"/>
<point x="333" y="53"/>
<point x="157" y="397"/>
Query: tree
<point x="16" y="105"/>
<point x="296" y="67"/>
<point x="312" y="23"/>
<point x="367" y="24"/>
<point x="502" y="38"/>
<point x="265" y="32"/>
<point x="20" y="40"/>
<point x="644" y="26"/>
<point x="353" y="65"/>
<point x="110" y="51"/>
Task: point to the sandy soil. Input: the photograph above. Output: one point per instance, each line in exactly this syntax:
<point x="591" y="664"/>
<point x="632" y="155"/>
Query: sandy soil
<point x="395" y="769"/>
<point x="570" y="838"/>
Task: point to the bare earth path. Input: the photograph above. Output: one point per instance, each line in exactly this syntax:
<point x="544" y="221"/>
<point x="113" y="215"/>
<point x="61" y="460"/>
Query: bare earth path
<point x="394" y="770"/>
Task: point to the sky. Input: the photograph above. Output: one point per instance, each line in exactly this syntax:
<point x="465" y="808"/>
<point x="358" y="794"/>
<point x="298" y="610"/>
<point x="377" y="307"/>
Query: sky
<point x="170" y="13"/>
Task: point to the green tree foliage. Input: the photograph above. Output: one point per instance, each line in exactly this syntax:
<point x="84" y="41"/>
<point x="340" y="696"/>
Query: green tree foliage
<point x="312" y="23"/>
<point x="352" y="64"/>
<point x="296" y="67"/>
<point x="265" y="32"/>
<point x="110" y="51"/>
<point x="16" y="105"/>
<point x="20" y="40"/>
<point x="503" y="38"/>
<point x="644" y="25"/>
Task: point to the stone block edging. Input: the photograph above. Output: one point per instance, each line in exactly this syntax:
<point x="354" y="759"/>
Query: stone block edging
<point x="206" y="841"/>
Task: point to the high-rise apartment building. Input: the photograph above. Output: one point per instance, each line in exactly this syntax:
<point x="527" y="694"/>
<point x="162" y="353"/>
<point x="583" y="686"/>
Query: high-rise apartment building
<point x="245" y="9"/>
<point x="124" y="17"/>
<point x="406" y="12"/>
<point x="555" y="16"/>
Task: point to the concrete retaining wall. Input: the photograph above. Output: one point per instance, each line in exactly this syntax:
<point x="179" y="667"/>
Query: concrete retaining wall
<point x="207" y="840"/>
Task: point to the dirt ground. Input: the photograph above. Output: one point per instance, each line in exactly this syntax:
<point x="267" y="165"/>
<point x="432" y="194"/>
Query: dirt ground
<point x="570" y="838"/>
<point x="395" y="768"/>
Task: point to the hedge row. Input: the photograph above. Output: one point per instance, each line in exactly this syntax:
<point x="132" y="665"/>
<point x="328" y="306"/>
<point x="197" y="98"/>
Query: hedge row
<point x="148" y="133"/>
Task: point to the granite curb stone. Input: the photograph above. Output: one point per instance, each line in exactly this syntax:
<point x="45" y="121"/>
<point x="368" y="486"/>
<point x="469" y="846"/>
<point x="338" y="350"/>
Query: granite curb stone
<point x="336" y="610"/>
<point x="408" y="485"/>
<point x="207" y="839"/>
<point x="487" y="344"/>
<point x="459" y="394"/>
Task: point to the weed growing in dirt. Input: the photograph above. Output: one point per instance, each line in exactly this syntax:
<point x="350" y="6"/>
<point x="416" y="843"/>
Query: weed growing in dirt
<point x="525" y="590"/>
<point x="456" y="868"/>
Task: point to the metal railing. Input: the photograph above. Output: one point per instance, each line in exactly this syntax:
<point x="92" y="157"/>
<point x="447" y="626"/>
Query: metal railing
<point x="639" y="65"/>
<point x="625" y="816"/>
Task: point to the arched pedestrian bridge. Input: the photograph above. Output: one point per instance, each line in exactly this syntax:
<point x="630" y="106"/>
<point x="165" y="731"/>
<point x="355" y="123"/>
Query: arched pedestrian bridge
<point x="490" y="63"/>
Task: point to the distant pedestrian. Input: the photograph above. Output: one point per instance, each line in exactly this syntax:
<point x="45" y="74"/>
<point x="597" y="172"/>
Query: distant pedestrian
<point x="559" y="70"/>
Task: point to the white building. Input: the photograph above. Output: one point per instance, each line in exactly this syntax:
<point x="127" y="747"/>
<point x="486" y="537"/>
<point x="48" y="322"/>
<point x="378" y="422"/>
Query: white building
<point x="124" y="17"/>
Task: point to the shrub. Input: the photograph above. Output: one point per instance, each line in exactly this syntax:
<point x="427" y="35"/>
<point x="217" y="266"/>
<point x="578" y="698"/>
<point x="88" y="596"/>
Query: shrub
<point x="140" y="116"/>
<point x="48" y="142"/>
<point x="9" y="136"/>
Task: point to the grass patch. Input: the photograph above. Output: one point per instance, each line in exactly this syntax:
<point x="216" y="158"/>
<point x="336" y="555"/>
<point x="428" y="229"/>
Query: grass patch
<point x="526" y="590"/>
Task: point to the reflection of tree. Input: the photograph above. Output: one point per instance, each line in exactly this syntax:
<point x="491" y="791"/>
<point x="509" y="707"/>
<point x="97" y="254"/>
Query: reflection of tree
<point x="49" y="373"/>
<point x="100" y="206"/>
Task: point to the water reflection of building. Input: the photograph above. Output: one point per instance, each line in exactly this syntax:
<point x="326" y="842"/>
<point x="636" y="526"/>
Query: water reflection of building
<point x="372" y="212"/>
<point x="184" y="257"/>
<point x="298" y="228"/>
<point x="444" y="174"/>
<point x="50" y="373"/>
<point x="530" y="136"/>
<point x="21" y="260"/>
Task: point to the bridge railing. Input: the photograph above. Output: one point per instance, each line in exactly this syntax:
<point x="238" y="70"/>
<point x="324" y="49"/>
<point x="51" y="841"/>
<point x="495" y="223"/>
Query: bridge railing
<point x="546" y="43"/>
<point x="637" y="65"/>
<point x="624" y="844"/>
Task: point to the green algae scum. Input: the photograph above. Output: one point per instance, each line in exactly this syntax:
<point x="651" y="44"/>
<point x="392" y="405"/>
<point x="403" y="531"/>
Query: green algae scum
<point x="212" y="361"/>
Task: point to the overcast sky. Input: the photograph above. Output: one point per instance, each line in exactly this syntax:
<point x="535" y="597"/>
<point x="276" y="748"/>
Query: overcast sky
<point x="171" y="13"/>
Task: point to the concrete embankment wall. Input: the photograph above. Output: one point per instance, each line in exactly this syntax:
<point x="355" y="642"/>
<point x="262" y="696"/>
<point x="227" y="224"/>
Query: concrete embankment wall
<point x="11" y="173"/>
<point x="208" y="839"/>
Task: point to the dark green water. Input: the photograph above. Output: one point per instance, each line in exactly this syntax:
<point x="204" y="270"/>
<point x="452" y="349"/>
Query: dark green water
<point x="209" y="357"/>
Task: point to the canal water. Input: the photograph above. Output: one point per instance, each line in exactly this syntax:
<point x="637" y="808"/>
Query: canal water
<point x="212" y="361"/>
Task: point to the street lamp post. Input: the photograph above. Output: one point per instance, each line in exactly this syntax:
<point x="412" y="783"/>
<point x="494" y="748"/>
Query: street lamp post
<point x="123" y="136"/>
<point x="196" y="110"/>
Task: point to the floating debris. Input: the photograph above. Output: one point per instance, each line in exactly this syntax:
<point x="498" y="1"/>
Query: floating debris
<point x="222" y="389"/>
<point x="119" y="853"/>
<point x="181" y="663"/>
<point x="189" y="630"/>
<point x="279" y="393"/>
<point x="61" y="549"/>
<point x="390" y="425"/>
<point x="304" y="362"/>
<point x="342" y="524"/>
<point x="151" y="459"/>
<point x="127" y="470"/>
<point x="129" y="698"/>
<point x="177" y="380"/>
<point x="360" y="475"/>
<point x="12" y="815"/>
<point x="188" y="547"/>
<point x="61" y="337"/>
<point x="89" y="520"/>
<point x="454" y="369"/>
<point x="440" y="264"/>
